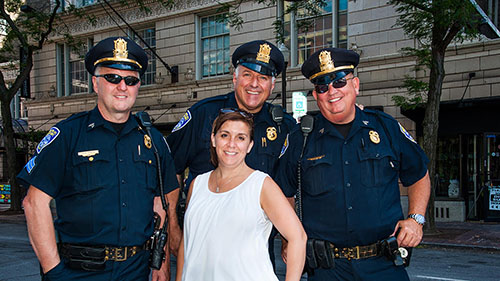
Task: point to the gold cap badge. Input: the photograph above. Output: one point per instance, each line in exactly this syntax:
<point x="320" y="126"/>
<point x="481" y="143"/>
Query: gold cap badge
<point x="326" y="63"/>
<point x="264" y="52"/>
<point x="120" y="51"/>
<point x="271" y="133"/>
<point x="147" y="141"/>
<point x="374" y="137"/>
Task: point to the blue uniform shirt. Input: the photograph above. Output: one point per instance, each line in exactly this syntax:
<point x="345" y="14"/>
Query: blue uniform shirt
<point x="350" y="193"/>
<point x="190" y="138"/>
<point x="103" y="183"/>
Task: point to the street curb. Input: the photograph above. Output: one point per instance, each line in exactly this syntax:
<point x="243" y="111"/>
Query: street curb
<point x="459" y="246"/>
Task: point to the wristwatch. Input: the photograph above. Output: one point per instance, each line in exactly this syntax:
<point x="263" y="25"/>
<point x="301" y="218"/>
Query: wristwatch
<point x="418" y="218"/>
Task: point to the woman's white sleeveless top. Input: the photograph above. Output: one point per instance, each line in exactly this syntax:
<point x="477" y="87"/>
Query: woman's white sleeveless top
<point x="226" y="234"/>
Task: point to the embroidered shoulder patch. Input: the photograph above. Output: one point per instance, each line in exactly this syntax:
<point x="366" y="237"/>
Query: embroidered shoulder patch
<point x="30" y="165"/>
<point x="285" y="147"/>
<point x="407" y="135"/>
<point x="48" y="139"/>
<point x="184" y="120"/>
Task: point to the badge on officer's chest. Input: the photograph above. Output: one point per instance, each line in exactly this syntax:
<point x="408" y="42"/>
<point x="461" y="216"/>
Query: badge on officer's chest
<point x="271" y="133"/>
<point x="147" y="141"/>
<point x="374" y="137"/>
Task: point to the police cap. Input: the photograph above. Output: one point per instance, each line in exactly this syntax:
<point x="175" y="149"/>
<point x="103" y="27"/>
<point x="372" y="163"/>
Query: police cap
<point x="259" y="56"/>
<point x="323" y="63"/>
<point x="118" y="53"/>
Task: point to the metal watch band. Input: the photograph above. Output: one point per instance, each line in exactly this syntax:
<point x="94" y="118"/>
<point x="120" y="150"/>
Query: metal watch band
<point x="418" y="218"/>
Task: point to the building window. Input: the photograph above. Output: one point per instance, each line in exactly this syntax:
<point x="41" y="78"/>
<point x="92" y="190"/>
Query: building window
<point x="72" y="76"/>
<point x="79" y="77"/>
<point x="149" y="35"/>
<point x="77" y="3"/>
<point x="306" y="35"/>
<point x="213" y="42"/>
<point x="491" y="8"/>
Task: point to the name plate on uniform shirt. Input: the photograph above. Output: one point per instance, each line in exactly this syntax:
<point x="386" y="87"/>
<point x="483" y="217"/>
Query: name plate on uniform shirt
<point x="88" y="153"/>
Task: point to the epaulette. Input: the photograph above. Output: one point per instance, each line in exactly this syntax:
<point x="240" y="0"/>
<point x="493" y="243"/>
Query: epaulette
<point x="218" y="98"/>
<point x="381" y="114"/>
<point x="74" y="117"/>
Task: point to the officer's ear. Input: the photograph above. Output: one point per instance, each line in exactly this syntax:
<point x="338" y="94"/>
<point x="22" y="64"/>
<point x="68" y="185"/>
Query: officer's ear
<point x="94" y="84"/>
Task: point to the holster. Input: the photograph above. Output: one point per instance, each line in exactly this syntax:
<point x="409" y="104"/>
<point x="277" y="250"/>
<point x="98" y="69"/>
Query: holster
<point x="324" y="256"/>
<point x="83" y="257"/>
<point x="398" y="255"/>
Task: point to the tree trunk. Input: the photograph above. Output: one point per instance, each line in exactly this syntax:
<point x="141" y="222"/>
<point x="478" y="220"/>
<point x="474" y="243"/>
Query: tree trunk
<point x="10" y="148"/>
<point x="431" y="125"/>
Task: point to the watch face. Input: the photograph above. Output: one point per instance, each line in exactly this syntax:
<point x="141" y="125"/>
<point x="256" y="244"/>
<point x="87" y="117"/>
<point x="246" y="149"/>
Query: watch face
<point x="418" y="218"/>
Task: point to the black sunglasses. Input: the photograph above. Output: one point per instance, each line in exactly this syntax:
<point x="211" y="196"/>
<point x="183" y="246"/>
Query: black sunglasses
<point x="116" y="79"/>
<point x="323" y="88"/>
<point x="241" y="112"/>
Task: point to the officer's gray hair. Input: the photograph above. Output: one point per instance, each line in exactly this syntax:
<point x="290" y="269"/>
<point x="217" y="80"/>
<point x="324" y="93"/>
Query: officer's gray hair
<point x="236" y="71"/>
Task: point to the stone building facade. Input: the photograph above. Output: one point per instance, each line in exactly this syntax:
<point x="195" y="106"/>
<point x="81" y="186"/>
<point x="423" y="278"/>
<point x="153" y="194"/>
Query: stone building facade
<point x="190" y="38"/>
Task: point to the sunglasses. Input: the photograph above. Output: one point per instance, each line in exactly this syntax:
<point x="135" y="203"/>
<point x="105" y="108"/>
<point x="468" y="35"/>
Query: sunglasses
<point x="116" y="79"/>
<point x="241" y="112"/>
<point x="337" y="84"/>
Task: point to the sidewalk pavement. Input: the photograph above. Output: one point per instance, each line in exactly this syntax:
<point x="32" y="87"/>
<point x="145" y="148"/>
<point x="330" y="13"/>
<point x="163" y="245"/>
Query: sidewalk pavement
<point x="470" y="234"/>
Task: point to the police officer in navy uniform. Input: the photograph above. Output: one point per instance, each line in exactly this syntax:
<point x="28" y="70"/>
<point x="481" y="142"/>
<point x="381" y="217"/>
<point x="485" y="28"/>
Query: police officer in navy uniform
<point x="100" y="168"/>
<point x="350" y="167"/>
<point x="257" y="64"/>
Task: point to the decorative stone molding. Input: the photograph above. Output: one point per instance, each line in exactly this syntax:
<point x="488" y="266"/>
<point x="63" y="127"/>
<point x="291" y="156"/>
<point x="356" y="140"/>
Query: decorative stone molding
<point x="134" y="15"/>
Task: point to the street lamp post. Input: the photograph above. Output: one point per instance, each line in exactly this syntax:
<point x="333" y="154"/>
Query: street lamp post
<point x="286" y="55"/>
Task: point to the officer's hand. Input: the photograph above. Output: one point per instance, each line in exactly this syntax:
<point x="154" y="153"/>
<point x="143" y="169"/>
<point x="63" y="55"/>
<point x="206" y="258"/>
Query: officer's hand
<point x="284" y="246"/>
<point x="174" y="238"/>
<point x="411" y="233"/>
<point x="164" y="273"/>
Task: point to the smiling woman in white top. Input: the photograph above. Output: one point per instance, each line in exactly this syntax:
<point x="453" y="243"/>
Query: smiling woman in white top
<point x="231" y="211"/>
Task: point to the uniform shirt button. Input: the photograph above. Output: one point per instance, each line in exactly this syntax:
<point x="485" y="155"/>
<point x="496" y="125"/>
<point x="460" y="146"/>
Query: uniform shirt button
<point x="350" y="208"/>
<point x="121" y="160"/>
<point x="123" y="181"/>
<point x="345" y="142"/>
<point x="124" y="205"/>
<point x="346" y="162"/>
<point x="348" y="184"/>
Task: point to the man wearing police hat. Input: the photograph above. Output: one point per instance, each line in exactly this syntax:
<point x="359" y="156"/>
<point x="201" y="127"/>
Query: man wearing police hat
<point x="257" y="63"/>
<point x="100" y="168"/>
<point x="350" y="163"/>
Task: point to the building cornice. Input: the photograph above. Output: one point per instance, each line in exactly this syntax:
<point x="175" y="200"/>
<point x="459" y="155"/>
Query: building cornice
<point x="132" y="15"/>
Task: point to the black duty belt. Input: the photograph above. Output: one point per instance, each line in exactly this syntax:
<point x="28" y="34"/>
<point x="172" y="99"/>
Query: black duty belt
<point x="357" y="252"/>
<point x="99" y="253"/>
<point x="322" y="254"/>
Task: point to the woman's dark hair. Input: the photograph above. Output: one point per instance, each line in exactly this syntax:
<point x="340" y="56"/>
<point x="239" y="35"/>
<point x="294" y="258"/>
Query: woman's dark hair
<point x="229" y="114"/>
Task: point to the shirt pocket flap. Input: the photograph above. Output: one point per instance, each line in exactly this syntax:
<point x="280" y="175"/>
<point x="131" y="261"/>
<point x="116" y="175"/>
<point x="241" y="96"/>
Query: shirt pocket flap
<point x="90" y="156"/>
<point x="145" y="158"/>
<point x="317" y="175"/>
<point x="373" y="154"/>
